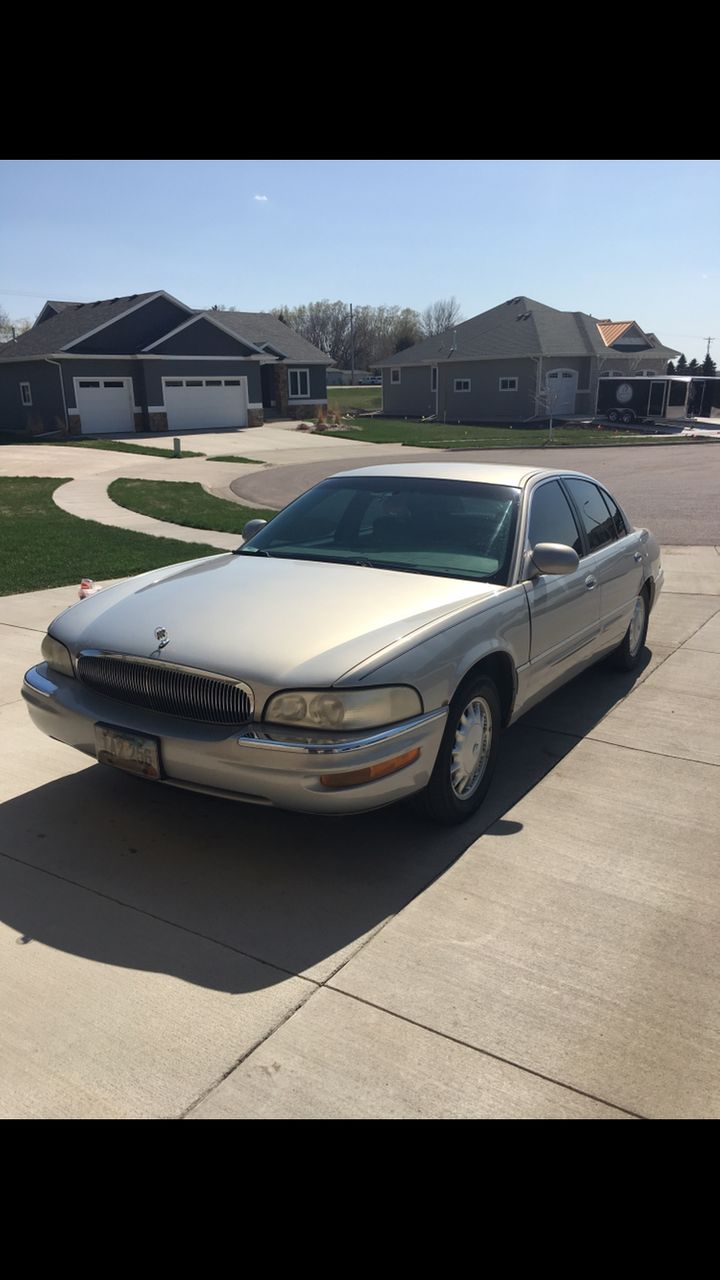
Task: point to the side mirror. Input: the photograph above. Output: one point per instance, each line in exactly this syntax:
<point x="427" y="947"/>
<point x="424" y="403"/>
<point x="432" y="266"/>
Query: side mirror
<point x="251" y="528"/>
<point x="553" y="557"/>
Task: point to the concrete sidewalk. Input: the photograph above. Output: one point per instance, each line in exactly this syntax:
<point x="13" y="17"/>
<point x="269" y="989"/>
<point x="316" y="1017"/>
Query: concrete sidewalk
<point x="166" y="954"/>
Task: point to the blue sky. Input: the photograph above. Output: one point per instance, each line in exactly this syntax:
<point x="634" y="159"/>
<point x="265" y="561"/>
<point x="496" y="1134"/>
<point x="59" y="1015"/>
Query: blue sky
<point x="622" y="239"/>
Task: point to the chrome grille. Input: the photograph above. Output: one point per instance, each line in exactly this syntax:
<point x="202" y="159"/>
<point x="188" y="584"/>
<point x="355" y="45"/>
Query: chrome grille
<point x="176" y="691"/>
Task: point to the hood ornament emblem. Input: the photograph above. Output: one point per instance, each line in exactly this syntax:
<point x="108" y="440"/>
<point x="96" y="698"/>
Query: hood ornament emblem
<point x="162" y="637"/>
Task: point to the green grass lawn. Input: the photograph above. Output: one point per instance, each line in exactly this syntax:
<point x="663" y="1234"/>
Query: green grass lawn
<point x="347" y="399"/>
<point x="43" y="546"/>
<point x="433" y="435"/>
<point x="231" y="457"/>
<point x="183" y="503"/>
<point x="114" y="446"/>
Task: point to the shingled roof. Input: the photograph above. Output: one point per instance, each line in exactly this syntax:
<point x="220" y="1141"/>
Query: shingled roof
<point x="263" y="328"/>
<point x="73" y="321"/>
<point x="76" y="319"/>
<point x="518" y="328"/>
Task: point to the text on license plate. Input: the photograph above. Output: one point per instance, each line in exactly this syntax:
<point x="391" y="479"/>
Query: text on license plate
<point x="133" y="752"/>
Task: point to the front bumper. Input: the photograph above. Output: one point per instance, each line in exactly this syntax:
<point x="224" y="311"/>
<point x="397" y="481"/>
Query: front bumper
<point x="261" y="764"/>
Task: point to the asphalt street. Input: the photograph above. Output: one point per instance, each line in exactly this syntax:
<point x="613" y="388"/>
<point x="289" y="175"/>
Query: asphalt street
<point x="674" y="490"/>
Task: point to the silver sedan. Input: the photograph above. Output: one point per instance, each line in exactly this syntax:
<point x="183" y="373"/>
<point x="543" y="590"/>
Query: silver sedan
<point x="369" y="642"/>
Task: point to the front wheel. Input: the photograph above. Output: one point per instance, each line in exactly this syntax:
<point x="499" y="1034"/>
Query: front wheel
<point x="468" y="753"/>
<point x="627" y="655"/>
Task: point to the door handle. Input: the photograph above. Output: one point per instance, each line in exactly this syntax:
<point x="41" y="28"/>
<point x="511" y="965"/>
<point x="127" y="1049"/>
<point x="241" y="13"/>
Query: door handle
<point x="590" y="582"/>
<point x="637" y="558"/>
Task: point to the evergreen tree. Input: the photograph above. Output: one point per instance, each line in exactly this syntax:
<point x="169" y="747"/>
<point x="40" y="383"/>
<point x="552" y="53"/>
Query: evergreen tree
<point x="670" y="367"/>
<point x="693" y="366"/>
<point x="682" y="365"/>
<point x="709" y="368"/>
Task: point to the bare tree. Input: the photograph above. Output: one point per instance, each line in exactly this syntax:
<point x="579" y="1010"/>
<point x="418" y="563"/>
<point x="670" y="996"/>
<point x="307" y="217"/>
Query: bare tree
<point x="378" y="331"/>
<point x="440" y="316"/>
<point x="9" y="327"/>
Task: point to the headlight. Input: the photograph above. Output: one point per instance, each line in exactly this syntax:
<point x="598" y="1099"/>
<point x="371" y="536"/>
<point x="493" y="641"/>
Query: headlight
<point x="57" y="656"/>
<point x="344" y="708"/>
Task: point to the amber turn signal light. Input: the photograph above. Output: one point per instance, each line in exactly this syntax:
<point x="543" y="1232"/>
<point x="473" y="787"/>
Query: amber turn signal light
<point x="357" y="776"/>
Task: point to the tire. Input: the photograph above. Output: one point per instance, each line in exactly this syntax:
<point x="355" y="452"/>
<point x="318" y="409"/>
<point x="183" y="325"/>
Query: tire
<point x="627" y="655"/>
<point x="471" y="741"/>
<point x="627" y="417"/>
<point x="613" y="416"/>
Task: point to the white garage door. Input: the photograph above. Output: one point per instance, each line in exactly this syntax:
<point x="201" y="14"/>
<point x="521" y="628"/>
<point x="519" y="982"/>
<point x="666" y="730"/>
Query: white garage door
<point x="198" y="404"/>
<point x="105" y="405"/>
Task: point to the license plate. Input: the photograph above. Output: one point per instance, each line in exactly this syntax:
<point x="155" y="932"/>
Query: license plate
<point x="133" y="752"/>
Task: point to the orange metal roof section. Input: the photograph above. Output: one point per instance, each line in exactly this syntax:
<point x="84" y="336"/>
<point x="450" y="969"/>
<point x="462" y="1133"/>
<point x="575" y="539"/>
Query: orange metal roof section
<point x="611" y="330"/>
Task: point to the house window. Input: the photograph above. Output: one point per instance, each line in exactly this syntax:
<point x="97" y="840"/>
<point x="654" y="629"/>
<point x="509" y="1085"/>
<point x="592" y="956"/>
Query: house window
<point x="462" y="384"/>
<point x="508" y="384"/>
<point x="394" y="375"/>
<point x="26" y="394"/>
<point x="299" y="384"/>
<point x="433" y="378"/>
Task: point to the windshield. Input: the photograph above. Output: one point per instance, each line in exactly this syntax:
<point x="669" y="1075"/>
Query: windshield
<point x="450" y="528"/>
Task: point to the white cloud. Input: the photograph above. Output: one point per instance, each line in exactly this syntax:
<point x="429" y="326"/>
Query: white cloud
<point x="262" y="199"/>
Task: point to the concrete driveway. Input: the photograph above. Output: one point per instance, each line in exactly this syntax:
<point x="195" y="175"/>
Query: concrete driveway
<point x="164" y="954"/>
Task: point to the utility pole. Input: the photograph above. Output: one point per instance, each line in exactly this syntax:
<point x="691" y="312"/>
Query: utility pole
<point x="708" y="340"/>
<point x="352" y="349"/>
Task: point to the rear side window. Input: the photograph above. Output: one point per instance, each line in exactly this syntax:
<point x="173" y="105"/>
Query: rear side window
<point x="593" y="512"/>
<point x="618" y="522"/>
<point x="551" y="518"/>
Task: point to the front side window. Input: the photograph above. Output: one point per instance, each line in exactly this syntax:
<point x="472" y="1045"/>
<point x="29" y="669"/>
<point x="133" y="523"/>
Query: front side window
<point x="299" y="384"/>
<point x="462" y="384"/>
<point x="395" y="375"/>
<point x="552" y="519"/>
<point x="26" y="394"/>
<point x="594" y="514"/>
<point x="445" y="528"/>
<point x="433" y="378"/>
<point x="508" y="384"/>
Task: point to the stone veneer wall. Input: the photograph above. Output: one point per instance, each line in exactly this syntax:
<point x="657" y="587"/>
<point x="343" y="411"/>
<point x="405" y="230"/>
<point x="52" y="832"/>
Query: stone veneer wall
<point x="139" y="424"/>
<point x="255" y="417"/>
<point x="158" y="421"/>
<point x="74" y="424"/>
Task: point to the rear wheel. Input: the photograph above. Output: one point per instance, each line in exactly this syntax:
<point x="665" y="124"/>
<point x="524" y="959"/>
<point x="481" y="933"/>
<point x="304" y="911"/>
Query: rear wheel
<point x="613" y="416"/>
<point x="627" y="417"/>
<point x="627" y="655"/>
<point x="468" y="753"/>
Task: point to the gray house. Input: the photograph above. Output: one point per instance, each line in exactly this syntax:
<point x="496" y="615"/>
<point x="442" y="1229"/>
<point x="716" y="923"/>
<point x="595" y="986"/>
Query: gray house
<point x="517" y="361"/>
<point x="149" y="363"/>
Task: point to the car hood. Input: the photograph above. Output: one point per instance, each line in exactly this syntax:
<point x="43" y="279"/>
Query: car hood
<point x="278" y="622"/>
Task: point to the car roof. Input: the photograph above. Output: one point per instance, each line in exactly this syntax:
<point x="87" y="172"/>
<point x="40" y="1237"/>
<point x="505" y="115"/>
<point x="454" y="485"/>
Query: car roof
<point x="479" y="472"/>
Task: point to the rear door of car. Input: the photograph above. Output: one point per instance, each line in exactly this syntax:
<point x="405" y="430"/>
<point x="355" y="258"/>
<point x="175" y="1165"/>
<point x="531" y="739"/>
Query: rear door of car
<point x="614" y="556"/>
<point x="564" y="608"/>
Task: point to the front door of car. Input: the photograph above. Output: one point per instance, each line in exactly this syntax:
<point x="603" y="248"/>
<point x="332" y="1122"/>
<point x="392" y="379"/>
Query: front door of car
<point x="615" y="555"/>
<point x="564" y="608"/>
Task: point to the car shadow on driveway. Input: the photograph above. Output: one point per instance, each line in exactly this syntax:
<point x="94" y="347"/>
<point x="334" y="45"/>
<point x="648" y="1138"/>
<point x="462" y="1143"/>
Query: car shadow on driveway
<point x="298" y="893"/>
